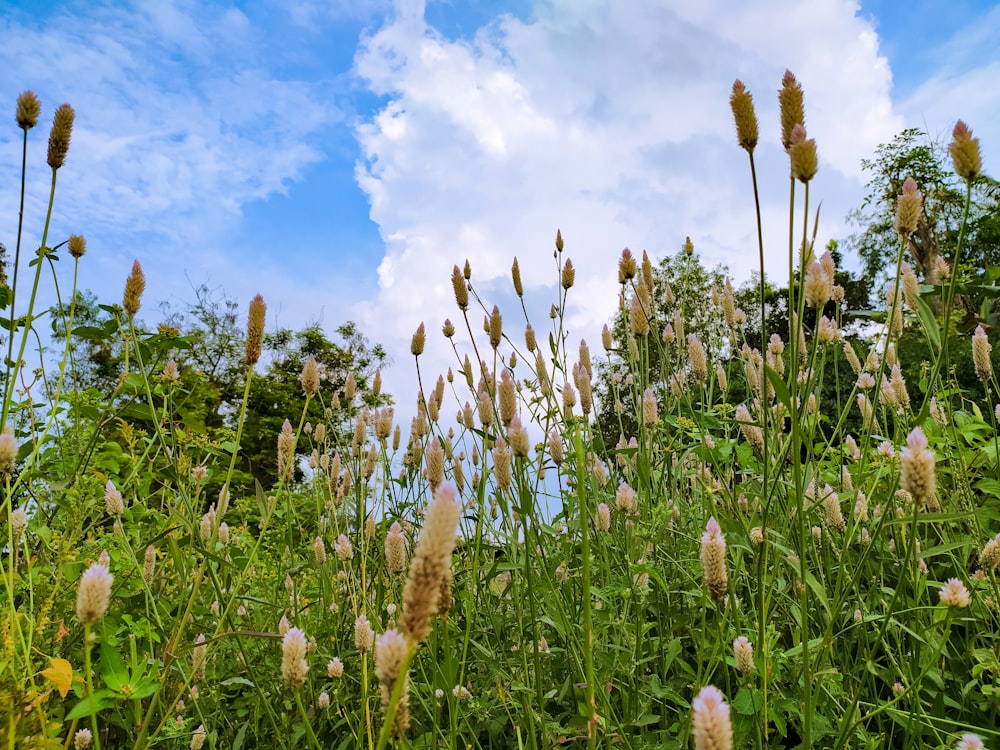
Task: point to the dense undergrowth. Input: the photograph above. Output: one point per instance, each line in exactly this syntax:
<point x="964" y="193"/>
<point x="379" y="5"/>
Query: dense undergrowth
<point x="733" y="573"/>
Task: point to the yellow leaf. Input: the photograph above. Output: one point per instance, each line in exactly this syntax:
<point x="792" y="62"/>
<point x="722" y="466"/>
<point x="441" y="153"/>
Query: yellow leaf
<point x="60" y="674"/>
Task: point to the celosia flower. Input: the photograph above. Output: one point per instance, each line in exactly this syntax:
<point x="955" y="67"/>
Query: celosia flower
<point x="60" y="135"/>
<point x="802" y="155"/>
<point x="335" y="668"/>
<point x="113" y="504"/>
<point x="29" y="108"/>
<point x="395" y="550"/>
<point x="989" y="557"/>
<point x="8" y="451"/>
<point x="818" y="286"/>
<point x="625" y="499"/>
<point x="791" y="106"/>
<point x="711" y="725"/>
<point x="697" y="359"/>
<point x="293" y="658"/>
<point x="743" y="114"/>
<point x="323" y="701"/>
<point x="82" y="739"/>
<point x="713" y="559"/>
<point x="343" y="549"/>
<point x="135" y="285"/>
<point x="198" y="737"/>
<point x="969" y="742"/>
<point x="743" y="653"/>
<point x="751" y="432"/>
<point x="77" y="245"/>
<point x="431" y="561"/>
<point x="18" y="522"/>
<point x="286" y="451"/>
<point x="964" y="150"/>
<point x="981" y="355"/>
<point x="917" y="470"/>
<point x="602" y="519"/>
<point x="310" y="376"/>
<point x="94" y="594"/>
<point x="255" y="330"/>
<point x="954" y="594"/>
<point x="199" y="657"/>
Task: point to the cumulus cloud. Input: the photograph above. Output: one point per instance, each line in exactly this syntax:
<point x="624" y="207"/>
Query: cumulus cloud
<point x="610" y="121"/>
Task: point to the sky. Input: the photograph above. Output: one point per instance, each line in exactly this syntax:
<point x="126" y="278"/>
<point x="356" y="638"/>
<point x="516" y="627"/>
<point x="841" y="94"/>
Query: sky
<point x="340" y="157"/>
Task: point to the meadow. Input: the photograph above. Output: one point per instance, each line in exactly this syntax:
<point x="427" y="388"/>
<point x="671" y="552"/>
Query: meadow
<point x="747" y="562"/>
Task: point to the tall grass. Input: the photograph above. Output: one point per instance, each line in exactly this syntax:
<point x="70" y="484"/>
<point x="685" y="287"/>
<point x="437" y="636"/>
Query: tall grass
<point x="734" y="574"/>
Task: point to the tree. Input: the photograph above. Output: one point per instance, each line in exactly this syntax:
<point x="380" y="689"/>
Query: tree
<point x="913" y="154"/>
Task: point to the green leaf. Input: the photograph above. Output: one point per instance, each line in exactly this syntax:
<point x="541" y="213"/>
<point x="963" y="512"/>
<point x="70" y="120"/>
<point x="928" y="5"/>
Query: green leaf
<point x="92" y="704"/>
<point x="89" y="333"/>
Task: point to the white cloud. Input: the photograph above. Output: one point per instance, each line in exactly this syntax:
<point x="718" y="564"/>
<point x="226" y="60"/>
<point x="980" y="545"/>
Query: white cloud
<point x="181" y="121"/>
<point x="610" y="121"/>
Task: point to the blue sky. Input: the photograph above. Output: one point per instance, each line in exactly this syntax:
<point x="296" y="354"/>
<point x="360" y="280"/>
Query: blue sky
<point x="339" y="157"/>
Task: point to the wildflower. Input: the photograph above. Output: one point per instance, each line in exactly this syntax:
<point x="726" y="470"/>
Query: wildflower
<point x="568" y="274"/>
<point x="743" y="653"/>
<point x="77" y="245"/>
<point x="969" y="742"/>
<point x="818" y="286"/>
<point x="335" y="668"/>
<point x="791" y="105"/>
<point x="713" y="559"/>
<point x="293" y="658"/>
<point x="602" y="519"/>
<point x="697" y="359"/>
<point x="199" y="737"/>
<point x="29" y="108"/>
<point x="827" y="332"/>
<point x="199" y="656"/>
<point x="625" y="499"/>
<point x="135" y="285"/>
<point x="113" y="504"/>
<point x="59" y="136"/>
<point x="989" y="557"/>
<point x="555" y="447"/>
<point x="323" y="701"/>
<point x="286" y="451"/>
<point x="310" y="377"/>
<point x="390" y="655"/>
<point x="751" y="432"/>
<point x="917" y="470"/>
<point x="8" y="451"/>
<point x="831" y="506"/>
<point x="964" y="150"/>
<point x="343" y="549"/>
<point x="743" y="113"/>
<point x="712" y="727"/>
<point x="981" y="355"/>
<point x="94" y="594"/>
<point x="458" y="284"/>
<point x="255" y="330"/>
<point x="650" y="417"/>
<point x="517" y="437"/>
<point x="757" y="535"/>
<point x="909" y="207"/>
<point x="954" y="594"/>
<point x="802" y="154"/>
<point x="395" y="550"/>
<point x="82" y="739"/>
<point x="431" y="561"/>
<point x="18" y="522"/>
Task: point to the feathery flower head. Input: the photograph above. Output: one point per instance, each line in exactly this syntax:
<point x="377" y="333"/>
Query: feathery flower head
<point x="113" y="504"/>
<point x="713" y="559"/>
<point x="94" y="594"/>
<point x="431" y="563"/>
<point x="626" y="266"/>
<point x="460" y="288"/>
<point x="602" y="519"/>
<point x="417" y="342"/>
<point x="59" y="136"/>
<point x="135" y="285"/>
<point x="29" y="108"/>
<point x="743" y="653"/>
<point x="744" y="115"/>
<point x="909" y="207"/>
<point x="77" y="245"/>
<point x="981" y="355"/>
<point x="515" y="272"/>
<point x="8" y="451"/>
<point x="568" y="274"/>
<point x="310" y="376"/>
<point x="964" y="150"/>
<point x="802" y="155"/>
<point x="954" y="594"/>
<point x="712" y="727"/>
<point x="255" y="329"/>
<point x="293" y="658"/>
<point x="364" y="634"/>
<point x="918" y="470"/>
<point x="83" y="739"/>
<point x="969" y="742"/>
<point x="818" y="286"/>
<point x="790" y="101"/>
<point x="395" y="550"/>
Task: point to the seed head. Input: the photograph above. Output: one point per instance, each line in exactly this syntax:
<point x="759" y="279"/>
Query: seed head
<point x="964" y="150"/>
<point x="818" y="286"/>
<point x="29" y="108"/>
<point x="286" y="451"/>
<point x="59" y="136"/>
<point x="626" y="267"/>
<point x="711" y="725"/>
<point x="113" y="504"/>
<point x="395" y="550"/>
<point x="746" y="118"/>
<point x="697" y="359"/>
<point x="559" y="241"/>
<point x="364" y="635"/>
<point x="515" y="273"/>
<point x="602" y="519"/>
<point x="495" y="327"/>
<point x="77" y="245"/>
<point x="650" y="417"/>
<point x="917" y="469"/>
<point x="94" y="594"/>
<point x="135" y="285"/>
